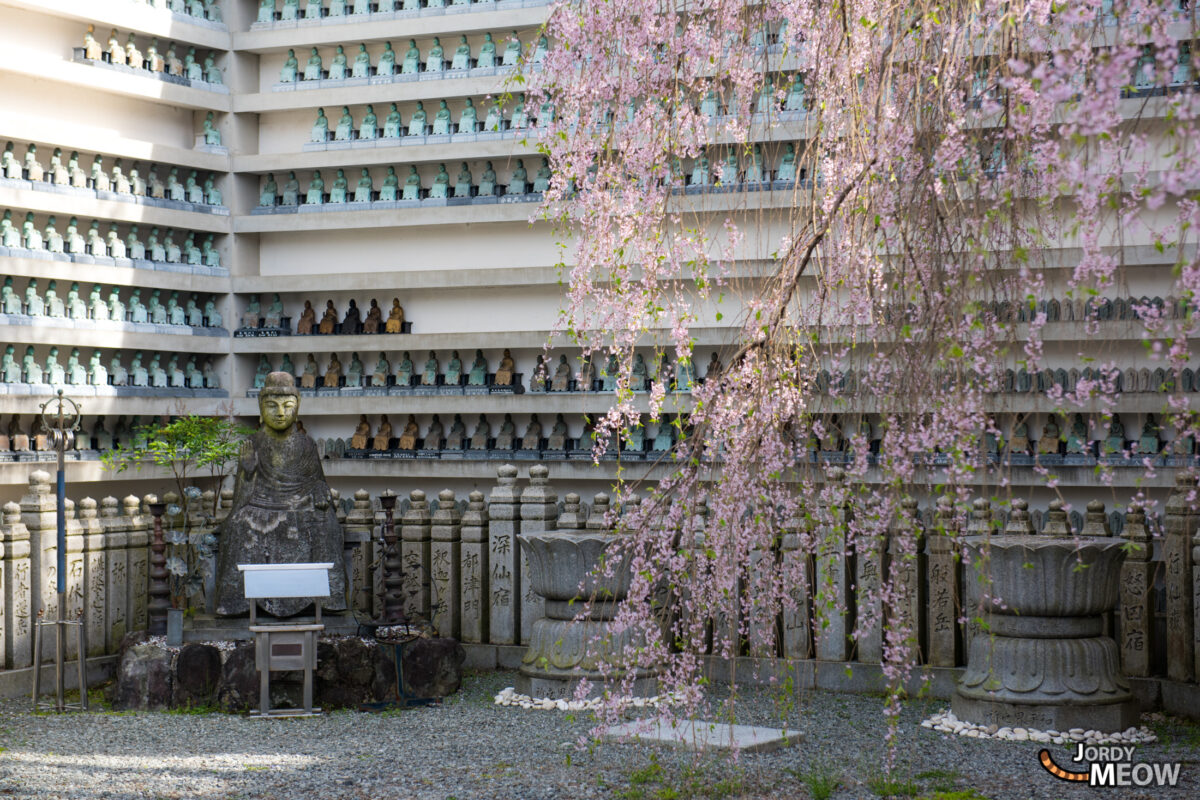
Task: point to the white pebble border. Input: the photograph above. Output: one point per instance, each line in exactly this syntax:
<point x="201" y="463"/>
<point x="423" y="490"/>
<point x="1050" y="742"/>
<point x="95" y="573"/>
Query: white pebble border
<point x="946" y="722"/>
<point x="510" y="697"/>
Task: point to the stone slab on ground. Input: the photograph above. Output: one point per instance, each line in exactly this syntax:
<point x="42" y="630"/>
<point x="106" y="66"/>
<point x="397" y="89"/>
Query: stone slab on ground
<point x="702" y="735"/>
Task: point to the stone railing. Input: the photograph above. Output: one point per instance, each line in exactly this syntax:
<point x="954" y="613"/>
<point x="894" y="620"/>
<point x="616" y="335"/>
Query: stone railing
<point x="463" y="569"/>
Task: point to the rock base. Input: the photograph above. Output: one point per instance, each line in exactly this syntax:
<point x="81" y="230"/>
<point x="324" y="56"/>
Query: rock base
<point x="540" y="684"/>
<point x="222" y="676"/>
<point x="1104" y="717"/>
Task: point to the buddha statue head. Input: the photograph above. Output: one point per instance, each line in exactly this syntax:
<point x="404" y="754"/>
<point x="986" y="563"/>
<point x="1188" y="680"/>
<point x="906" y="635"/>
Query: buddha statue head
<point x="279" y="404"/>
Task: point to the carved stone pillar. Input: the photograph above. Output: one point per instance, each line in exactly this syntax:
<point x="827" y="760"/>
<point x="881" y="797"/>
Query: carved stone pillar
<point x="539" y="512"/>
<point x="95" y="577"/>
<point x="414" y="552"/>
<point x="116" y="567"/>
<point x="832" y="599"/>
<point x="16" y="591"/>
<point x="360" y="546"/>
<point x="906" y="567"/>
<point x="945" y="582"/>
<point x="504" y="523"/>
<point x="139" y="563"/>
<point x="1136" y="634"/>
<point x="797" y="571"/>
<point x="445" y="553"/>
<point x="1180" y="520"/>
<point x="474" y="571"/>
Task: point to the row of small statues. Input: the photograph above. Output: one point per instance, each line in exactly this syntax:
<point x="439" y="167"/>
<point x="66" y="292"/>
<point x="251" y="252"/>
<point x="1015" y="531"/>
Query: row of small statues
<point x="771" y="98"/>
<point x="93" y="243"/>
<point x="200" y="9"/>
<point x="731" y="171"/>
<point x="151" y="60"/>
<point x="352" y="324"/>
<point x="435" y="60"/>
<point x="464" y="185"/>
<point x="564" y="378"/>
<point x="112" y="308"/>
<point x="290" y="10"/>
<point x="13" y="437"/>
<point x="190" y="190"/>
<point x="506" y="438"/>
<point x="76" y="373"/>
<point x="419" y="124"/>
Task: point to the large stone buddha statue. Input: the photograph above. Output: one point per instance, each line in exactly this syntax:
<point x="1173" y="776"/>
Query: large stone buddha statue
<point x="282" y="507"/>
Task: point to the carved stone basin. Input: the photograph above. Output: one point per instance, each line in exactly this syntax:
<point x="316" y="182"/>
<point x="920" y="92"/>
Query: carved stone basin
<point x="564" y="648"/>
<point x="1041" y="658"/>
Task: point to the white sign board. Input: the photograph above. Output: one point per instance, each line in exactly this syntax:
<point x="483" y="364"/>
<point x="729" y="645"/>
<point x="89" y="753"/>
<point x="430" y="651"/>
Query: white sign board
<point x="286" y="580"/>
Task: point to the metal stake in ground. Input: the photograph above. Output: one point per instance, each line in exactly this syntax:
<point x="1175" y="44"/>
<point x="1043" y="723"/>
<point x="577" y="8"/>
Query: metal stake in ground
<point x="60" y="423"/>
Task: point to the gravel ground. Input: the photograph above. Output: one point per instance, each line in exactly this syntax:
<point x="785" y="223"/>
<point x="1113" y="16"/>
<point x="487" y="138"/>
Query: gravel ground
<point x="470" y="749"/>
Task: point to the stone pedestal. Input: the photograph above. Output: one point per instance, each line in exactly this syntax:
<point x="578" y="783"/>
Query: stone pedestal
<point x="1043" y="660"/>
<point x="563" y="649"/>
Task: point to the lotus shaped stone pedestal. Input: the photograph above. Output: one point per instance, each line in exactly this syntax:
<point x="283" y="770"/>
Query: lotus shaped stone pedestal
<point x="563" y="648"/>
<point x="1042" y="660"/>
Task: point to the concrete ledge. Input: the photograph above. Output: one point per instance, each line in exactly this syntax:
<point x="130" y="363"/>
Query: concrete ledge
<point x="19" y="682"/>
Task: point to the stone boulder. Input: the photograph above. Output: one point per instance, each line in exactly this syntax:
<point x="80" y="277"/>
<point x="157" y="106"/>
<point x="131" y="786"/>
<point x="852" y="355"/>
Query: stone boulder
<point x="197" y="675"/>
<point x="433" y="667"/>
<point x="144" y="678"/>
<point x="238" y="689"/>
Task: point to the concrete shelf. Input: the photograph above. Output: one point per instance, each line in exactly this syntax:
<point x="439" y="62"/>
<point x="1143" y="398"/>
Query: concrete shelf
<point x="280" y="35"/>
<point x="359" y="94"/>
<point x="137" y="17"/>
<point x="386" y="151"/>
<point x="65" y="270"/>
<point x="110" y="81"/>
<point x="119" y="335"/>
<point x="69" y="204"/>
<point x="93" y="405"/>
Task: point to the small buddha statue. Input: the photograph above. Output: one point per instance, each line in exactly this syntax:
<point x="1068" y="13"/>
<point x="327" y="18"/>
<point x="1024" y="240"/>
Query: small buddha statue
<point x="382" y="440"/>
<point x="435" y="61"/>
<point x="320" y="128"/>
<point x="308" y="319"/>
<point x="97" y="374"/>
<point x="361" y="433"/>
<point x="416" y="123"/>
<point x="636" y="443"/>
<point x="291" y="68"/>
<point x="482" y="434"/>
<point x="518" y="183"/>
<point x="137" y="311"/>
<point x="264" y="368"/>
<point x="441" y="184"/>
<point x="412" y="59"/>
<point x="291" y="191"/>
<point x="270" y="192"/>
<point x="345" y="126"/>
<point x="364" y="192"/>
<point x="212" y="316"/>
<point x="274" y="316"/>
<point x="29" y="365"/>
<point x="457" y="438"/>
<point x="1150" y="442"/>
<point x="76" y="307"/>
<point x="587" y="375"/>
<point x="354" y="375"/>
<point x="512" y="51"/>
<point x="441" y="120"/>
<point x="664" y="438"/>
<point x="541" y="181"/>
<point x="1114" y="443"/>
<point x="506" y="370"/>
<point x="637" y="376"/>
<point x="383" y="368"/>
<point x="390" y="191"/>
<point x="561" y="382"/>
<point x="435" y="437"/>
<point x="374" y="320"/>
<point x="1077" y="441"/>
<point x="158" y="375"/>
<point x="252" y="317"/>
<point x="92" y="50"/>
<point x="352" y="324"/>
<point x="505" y="439"/>
<point x="430" y="373"/>
<point x="308" y="379"/>
<point x="478" y="374"/>
<point x="10" y="370"/>
<point x="453" y="376"/>
<point x="337" y="191"/>
<point x="328" y="320"/>
<point x="404" y="371"/>
<point x="362" y="63"/>
<point x="10" y="303"/>
<point x="392" y="123"/>
<point x="395" y="320"/>
<point x="494" y="121"/>
<point x="387" y="61"/>
<point x="487" y="183"/>
<point x="408" y="439"/>
<point x="557" y="440"/>
<point x="34" y="306"/>
<point x="412" y="185"/>
<point x="333" y="373"/>
<point x="468" y="121"/>
<point x="117" y="373"/>
<point x="1048" y="444"/>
